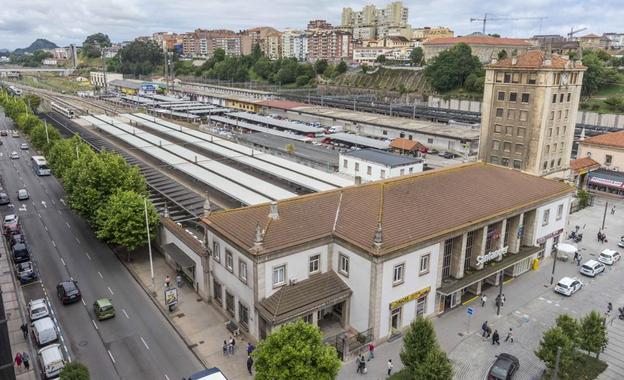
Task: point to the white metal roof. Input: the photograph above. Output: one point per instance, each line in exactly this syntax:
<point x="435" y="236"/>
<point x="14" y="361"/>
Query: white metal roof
<point x="163" y="98"/>
<point x="178" y="114"/>
<point x="359" y="140"/>
<point x="303" y="128"/>
<point x="257" y="128"/>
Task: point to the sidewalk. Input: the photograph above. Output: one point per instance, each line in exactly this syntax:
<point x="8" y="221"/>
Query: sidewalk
<point x="201" y="326"/>
<point x="13" y="310"/>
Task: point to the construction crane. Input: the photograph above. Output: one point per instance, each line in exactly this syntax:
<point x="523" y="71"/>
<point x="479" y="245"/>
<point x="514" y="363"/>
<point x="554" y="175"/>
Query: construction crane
<point x="573" y="32"/>
<point x="485" y="19"/>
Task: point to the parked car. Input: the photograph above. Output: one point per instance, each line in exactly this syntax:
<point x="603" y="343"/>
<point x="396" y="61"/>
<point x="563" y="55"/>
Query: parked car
<point x="51" y="361"/>
<point x="26" y="272"/>
<point x="12" y="229"/>
<point x="446" y="155"/>
<point x="17" y="238"/>
<point x="20" y="253"/>
<point x="24" y="146"/>
<point x="609" y="256"/>
<point x="4" y="132"/>
<point x="44" y="331"/>
<point x="15" y="134"/>
<point x="621" y="242"/>
<point x="68" y="291"/>
<point x="10" y="219"/>
<point x="4" y="198"/>
<point x="592" y="268"/>
<point x="103" y="308"/>
<point x="38" y="309"/>
<point x="22" y="194"/>
<point x="568" y="286"/>
<point x="504" y="367"/>
<point x="15" y="155"/>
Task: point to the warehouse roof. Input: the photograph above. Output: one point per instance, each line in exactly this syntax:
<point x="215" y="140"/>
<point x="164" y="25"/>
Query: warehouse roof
<point x="381" y="157"/>
<point x="478" y="40"/>
<point x="613" y="139"/>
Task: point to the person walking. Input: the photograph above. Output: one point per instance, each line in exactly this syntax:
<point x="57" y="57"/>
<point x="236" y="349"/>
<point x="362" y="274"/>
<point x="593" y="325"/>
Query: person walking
<point x="509" y="335"/>
<point x="26" y="360"/>
<point x="371" y="351"/>
<point x="167" y="281"/>
<point x="18" y="360"/>
<point x="578" y="260"/>
<point x="363" y="368"/>
<point x="483" y="300"/>
<point x="495" y="338"/>
<point x="390" y="366"/>
<point x="358" y="364"/>
<point x="250" y="348"/>
<point x="226" y="348"/>
<point x="249" y="364"/>
<point x="232" y="345"/>
<point x="613" y="210"/>
<point x="489" y="332"/>
<point x="503" y="299"/>
<point x="576" y="254"/>
<point x="609" y="307"/>
<point x="484" y="328"/>
<point x="24" y="328"/>
<point x="179" y="281"/>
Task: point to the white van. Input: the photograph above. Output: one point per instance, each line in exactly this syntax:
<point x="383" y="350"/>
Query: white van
<point x="51" y="361"/>
<point x="44" y="331"/>
<point x="609" y="256"/>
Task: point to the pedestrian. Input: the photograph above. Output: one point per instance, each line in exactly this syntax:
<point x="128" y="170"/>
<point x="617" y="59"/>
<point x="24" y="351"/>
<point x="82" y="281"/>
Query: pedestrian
<point x="613" y="210"/>
<point x="503" y="299"/>
<point x="578" y="260"/>
<point x="489" y="332"/>
<point x="358" y="364"/>
<point x="495" y="338"/>
<point x="609" y="307"/>
<point x="390" y="366"/>
<point x="249" y="364"/>
<point x="26" y="360"/>
<point x="232" y="345"/>
<point x="371" y="351"/>
<point x="225" y="348"/>
<point x="167" y="281"/>
<point x="250" y="348"/>
<point x="179" y="281"/>
<point x="576" y="256"/>
<point x="18" y="360"/>
<point x="363" y="368"/>
<point x="483" y="300"/>
<point x="484" y="328"/>
<point x="24" y="328"/>
<point x="509" y="335"/>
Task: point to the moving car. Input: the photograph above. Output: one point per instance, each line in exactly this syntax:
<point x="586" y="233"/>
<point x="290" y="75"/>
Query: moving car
<point x="568" y="286"/>
<point x="26" y="272"/>
<point x="446" y="154"/>
<point x="592" y="268"/>
<point x="621" y="242"/>
<point x="15" y="134"/>
<point x="38" y="309"/>
<point x="44" y="331"/>
<point x="68" y="291"/>
<point x="609" y="256"/>
<point x="24" y="146"/>
<point x="51" y="361"/>
<point x="20" y="253"/>
<point x="4" y="198"/>
<point x="504" y="367"/>
<point x="14" y="155"/>
<point x="22" y="194"/>
<point x="4" y="132"/>
<point x="103" y="309"/>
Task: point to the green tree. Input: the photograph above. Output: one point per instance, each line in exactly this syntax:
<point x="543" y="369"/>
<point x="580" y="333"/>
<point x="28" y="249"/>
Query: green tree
<point x="553" y="339"/>
<point x="381" y="59"/>
<point x="295" y="351"/>
<point x="597" y="76"/>
<point x="416" y="56"/>
<point x="474" y="83"/>
<point x="64" y="153"/>
<point x="93" y="44"/>
<point x="502" y="54"/>
<point x="320" y="66"/>
<point x="39" y="138"/>
<point x="583" y="197"/>
<point x="341" y="68"/>
<point x="262" y="67"/>
<point x="26" y="122"/>
<point x="593" y="333"/>
<point x="451" y="67"/>
<point x="33" y="102"/>
<point x="121" y="220"/>
<point x="218" y="55"/>
<point x="75" y="371"/>
<point x="419" y="340"/>
<point x="137" y="58"/>
<point x="256" y="52"/>
<point x="569" y="326"/>
<point x="436" y="366"/>
<point x="615" y="103"/>
<point x="302" y="80"/>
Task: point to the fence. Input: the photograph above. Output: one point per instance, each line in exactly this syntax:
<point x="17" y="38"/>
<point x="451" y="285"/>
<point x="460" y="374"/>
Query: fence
<point x="347" y="343"/>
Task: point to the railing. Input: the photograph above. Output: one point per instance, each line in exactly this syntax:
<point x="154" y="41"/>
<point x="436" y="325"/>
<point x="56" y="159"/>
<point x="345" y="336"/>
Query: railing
<point x="347" y="343"/>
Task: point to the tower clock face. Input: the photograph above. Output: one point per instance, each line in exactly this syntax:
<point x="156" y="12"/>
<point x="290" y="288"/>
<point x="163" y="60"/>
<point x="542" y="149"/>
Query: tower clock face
<point x="564" y="78"/>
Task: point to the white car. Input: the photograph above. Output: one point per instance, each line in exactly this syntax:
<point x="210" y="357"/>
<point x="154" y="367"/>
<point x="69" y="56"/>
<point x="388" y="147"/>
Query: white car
<point x="592" y="268"/>
<point x="568" y="286"/>
<point x="24" y="146"/>
<point x="609" y="256"/>
<point x="22" y="194"/>
<point x="38" y="309"/>
<point x="10" y="219"/>
<point x="621" y="242"/>
<point x="15" y="155"/>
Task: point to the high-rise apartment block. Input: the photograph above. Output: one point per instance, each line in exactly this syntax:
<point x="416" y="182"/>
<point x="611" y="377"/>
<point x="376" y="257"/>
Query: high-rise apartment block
<point x="371" y="23"/>
<point x="330" y="44"/>
<point x="529" y="111"/>
<point x="295" y="45"/>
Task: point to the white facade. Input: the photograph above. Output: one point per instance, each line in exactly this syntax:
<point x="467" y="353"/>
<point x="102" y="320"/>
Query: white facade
<point x="200" y="285"/>
<point x="359" y="279"/>
<point x="294" y="45"/>
<point x="372" y="171"/>
<point x="97" y="77"/>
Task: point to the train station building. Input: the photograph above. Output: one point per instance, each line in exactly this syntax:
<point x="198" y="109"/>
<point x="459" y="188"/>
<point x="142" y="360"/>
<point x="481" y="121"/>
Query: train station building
<point x="366" y="260"/>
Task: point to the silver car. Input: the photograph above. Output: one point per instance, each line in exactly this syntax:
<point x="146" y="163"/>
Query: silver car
<point x="22" y="194"/>
<point x="15" y="155"/>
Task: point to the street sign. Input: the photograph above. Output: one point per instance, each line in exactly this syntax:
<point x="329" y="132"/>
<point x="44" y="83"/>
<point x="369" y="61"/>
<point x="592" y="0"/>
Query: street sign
<point x="470" y="311"/>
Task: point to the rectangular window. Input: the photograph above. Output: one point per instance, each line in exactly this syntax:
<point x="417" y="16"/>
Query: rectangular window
<point x="608" y="159"/>
<point x="561" y="97"/>
<point x="524" y="115"/>
<point x="397" y="275"/>
<point x="429" y="141"/>
<point x="421" y="306"/>
<point x="216" y="252"/>
<point x="383" y="174"/>
<point x="511" y="114"/>
<point x="515" y="78"/>
<point x="498" y="128"/>
<point x="343" y="264"/>
<point x="499" y="112"/>
<point x="242" y="271"/>
<point x="545" y="217"/>
<point x="357" y="166"/>
<point x="446" y="258"/>
<point x="469" y="245"/>
<point x="489" y="237"/>
<point x="314" y="264"/>
<point x="507" y="78"/>
<point x="519" y="148"/>
<point x="549" y="132"/>
<point x="495" y="145"/>
<point x="559" y="115"/>
<point x="243" y="316"/>
<point x="545" y="166"/>
<point x="569" y="96"/>
<point x="345" y="163"/>
<point x="554" y="148"/>
<point x="494" y="160"/>
<point x="229" y="303"/>
<point x="566" y="114"/>
<point x="395" y="318"/>
<point x="517" y="164"/>
<point x="513" y="96"/>
<point x="525" y="98"/>
<point x="218" y="292"/>
<point x="384" y="132"/>
<point x="229" y="260"/>
<point x="507" y="146"/>
<point x="554" y="99"/>
<point x="532" y="78"/>
<point x="559" y="212"/>
<point x="547" y="148"/>
<point x="424" y="263"/>
<point x="501" y="95"/>
<point x="369" y="170"/>
<point x="505" y="161"/>
<point x="509" y="131"/>
<point x="521" y="132"/>
<point x="499" y="77"/>
<point x="279" y="275"/>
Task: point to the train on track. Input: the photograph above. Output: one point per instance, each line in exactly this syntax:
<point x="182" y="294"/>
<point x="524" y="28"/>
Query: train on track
<point x="65" y="111"/>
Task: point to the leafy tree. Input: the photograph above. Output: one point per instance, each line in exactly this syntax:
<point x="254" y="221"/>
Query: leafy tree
<point x="33" y="102"/>
<point x="295" y="351"/>
<point x="597" y="76"/>
<point x="262" y="67"/>
<point x="26" y="122"/>
<point x="93" y="44"/>
<point x="502" y="54"/>
<point x="381" y="59"/>
<point x="341" y="68"/>
<point x="593" y="333"/>
<point x="320" y="66"/>
<point x="547" y="350"/>
<point x="256" y="52"/>
<point x="416" y="56"/>
<point x="583" y="197"/>
<point x="75" y="371"/>
<point x="474" y="83"/>
<point x="451" y="67"/>
<point x="435" y="367"/>
<point x="218" y="55"/>
<point x="64" y="153"/>
<point x="137" y="58"/>
<point x="329" y="71"/>
<point x="570" y="327"/>
<point x="364" y="68"/>
<point x="121" y="220"/>
<point x="40" y="139"/>
<point x="302" y="80"/>
<point x="615" y="103"/>
<point x="419" y="340"/>
<point x="602" y="55"/>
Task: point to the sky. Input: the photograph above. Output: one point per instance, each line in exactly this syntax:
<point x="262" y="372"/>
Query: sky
<point x="70" y="21"/>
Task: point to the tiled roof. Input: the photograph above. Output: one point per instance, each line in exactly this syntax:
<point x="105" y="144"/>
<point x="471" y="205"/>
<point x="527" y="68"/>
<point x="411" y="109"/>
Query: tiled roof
<point x="291" y="301"/>
<point x="283" y="104"/>
<point x="478" y="40"/>
<point x="590" y="35"/>
<point x="614" y="139"/>
<point x="583" y="163"/>
<point x="535" y="59"/>
<point x="411" y="208"/>
<point x="405" y="144"/>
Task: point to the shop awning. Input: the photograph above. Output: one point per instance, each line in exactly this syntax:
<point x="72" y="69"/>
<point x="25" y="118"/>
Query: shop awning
<point x="302" y="298"/>
<point x="496" y="266"/>
<point x="608" y="178"/>
<point x="179" y="256"/>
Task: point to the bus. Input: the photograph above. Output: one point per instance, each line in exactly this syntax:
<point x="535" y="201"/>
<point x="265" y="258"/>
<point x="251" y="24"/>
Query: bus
<point x="40" y="165"/>
<point x="208" y="374"/>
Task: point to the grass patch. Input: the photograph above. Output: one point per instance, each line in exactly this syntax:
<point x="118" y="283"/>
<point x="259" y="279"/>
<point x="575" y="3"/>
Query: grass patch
<point x="613" y="90"/>
<point x="585" y="367"/>
<point x="55" y="83"/>
<point x="597" y="105"/>
<point x="401" y="375"/>
<point x="460" y="93"/>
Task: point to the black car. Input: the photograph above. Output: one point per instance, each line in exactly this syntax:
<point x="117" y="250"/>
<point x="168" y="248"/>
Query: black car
<point x="504" y="367"/>
<point x="4" y="198"/>
<point x="446" y="155"/>
<point x="20" y="253"/>
<point x="26" y="272"/>
<point x="68" y="291"/>
<point x="17" y="238"/>
<point x="4" y="132"/>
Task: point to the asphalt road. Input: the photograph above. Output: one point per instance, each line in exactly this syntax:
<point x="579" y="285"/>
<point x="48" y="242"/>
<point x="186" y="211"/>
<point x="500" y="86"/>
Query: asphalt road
<point x="138" y="343"/>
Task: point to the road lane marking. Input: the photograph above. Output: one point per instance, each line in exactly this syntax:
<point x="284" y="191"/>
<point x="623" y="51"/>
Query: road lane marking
<point x="63" y="261"/>
<point x="110" y="290"/>
<point x="67" y="224"/>
<point x="166" y="377"/>
<point x="126" y="314"/>
<point x="86" y="253"/>
<point x="62" y="201"/>
<point x="100" y="274"/>
<point x="145" y="344"/>
<point x="78" y="241"/>
<point x="83" y="302"/>
<point x="94" y="325"/>
<point x="111" y="356"/>
<point x="45" y="227"/>
<point x="53" y="243"/>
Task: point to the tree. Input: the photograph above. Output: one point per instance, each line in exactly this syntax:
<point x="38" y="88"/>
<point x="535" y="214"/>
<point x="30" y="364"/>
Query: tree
<point x="121" y="220"/>
<point x="75" y="371"/>
<point x="553" y="339"/>
<point x="570" y="327"/>
<point x="256" y="52"/>
<point x="295" y="351"/>
<point x="39" y="137"/>
<point x="419" y="340"/>
<point x="381" y="59"/>
<point x="33" y="102"/>
<point x="593" y="333"/>
<point x="416" y="56"/>
<point x="137" y="58"/>
<point x="93" y="44"/>
<point x="262" y="67"/>
<point x="597" y="76"/>
<point x="341" y="68"/>
<point x="451" y="67"/>
<point x="502" y="54"/>
<point x="320" y="66"/>
<point x="63" y="154"/>
<point x="615" y="103"/>
<point x="583" y="197"/>
<point x="435" y="367"/>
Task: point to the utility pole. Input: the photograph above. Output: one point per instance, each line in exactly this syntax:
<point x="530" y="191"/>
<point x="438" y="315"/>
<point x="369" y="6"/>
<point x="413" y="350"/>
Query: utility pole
<point x="552" y="275"/>
<point x="149" y="246"/>
<point x="500" y="292"/>
<point x="104" y="71"/>
<point x="45" y="122"/>
<point x="604" y="217"/>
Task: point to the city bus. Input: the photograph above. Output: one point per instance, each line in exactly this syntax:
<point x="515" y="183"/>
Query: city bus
<point x="40" y="165"/>
<point x="208" y="374"/>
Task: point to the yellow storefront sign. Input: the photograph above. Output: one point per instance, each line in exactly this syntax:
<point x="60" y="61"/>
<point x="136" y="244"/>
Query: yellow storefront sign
<point x="410" y="297"/>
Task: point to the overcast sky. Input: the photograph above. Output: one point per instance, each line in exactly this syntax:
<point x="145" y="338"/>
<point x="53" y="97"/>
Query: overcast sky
<point x="70" y="21"/>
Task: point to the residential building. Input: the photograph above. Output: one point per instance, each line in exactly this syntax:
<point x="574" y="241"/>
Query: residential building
<point x="529" y="111"/>
<point x="370" y="54"/>
<point x="593" y="41"/>
<point x="371" y="258"/>
<point x="607" y="151"/>
<point x="60" y="53"/>
<point x="484" y="47"/>
<point x="555" y="42"/>
<point x="273" y="45"/>
<point x="259" y="35"/>
<point x="295" y="45"/>
<point x="616" y="40"/>
<point x="372" y="164"/>
<point x="319" y="24"/>
<point x="330" y="44"/>
<point x="371" y="22"/>
<point x="98" y="78"/>
<point x="49" y="62"/>
<point x="428" y="33"/>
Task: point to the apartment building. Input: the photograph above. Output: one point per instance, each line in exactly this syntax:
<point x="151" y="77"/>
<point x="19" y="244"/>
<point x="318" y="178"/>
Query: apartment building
<point x="593" y="41"/>
<point x="204" y="42"/>
<point x="295" y="45"/>
<point x="371" y="22"/>
<point x="319" y="24"/>
<point x="529" y="111"/>
<point x="273" y="45"/>
<point x="330" y="44"/>
<point x="484" y="47"/>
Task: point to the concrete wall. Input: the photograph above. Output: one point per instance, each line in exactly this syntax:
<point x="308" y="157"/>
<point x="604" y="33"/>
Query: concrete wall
<point x="454" y="104"/>
<point x="599" y="153"/>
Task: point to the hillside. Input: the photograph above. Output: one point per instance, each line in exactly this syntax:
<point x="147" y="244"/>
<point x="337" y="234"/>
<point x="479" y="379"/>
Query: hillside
<point x="401" y="80"/>
<point x="38" y="44"/>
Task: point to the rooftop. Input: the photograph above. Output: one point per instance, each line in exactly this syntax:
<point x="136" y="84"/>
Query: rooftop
<point x="535" y="59"/>
<point x="478" y="40"/>
<point x="411" y="209"/>
<point x="613" y="139"/>
<point x="583" y="163"/>
<point x="381" y="157"/>
<point x="405" y="144"/>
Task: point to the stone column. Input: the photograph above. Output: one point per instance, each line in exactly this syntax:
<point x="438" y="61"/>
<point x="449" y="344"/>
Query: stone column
<point x="459" y="253"/>
<point x="530" y="223"/>
<point x="478" y="247"/>
<point x="514" y="224"/>
<point x="501" y="239"/>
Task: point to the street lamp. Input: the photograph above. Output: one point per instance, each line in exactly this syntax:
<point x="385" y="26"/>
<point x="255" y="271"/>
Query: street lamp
<point x="149" y="246"/>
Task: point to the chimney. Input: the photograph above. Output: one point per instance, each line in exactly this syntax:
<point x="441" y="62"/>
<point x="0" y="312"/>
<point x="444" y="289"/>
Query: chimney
<point x="207" y="208"/>
<point x="259" y="235"/>
<point x="548" y="55"/>
<point x="493" y="58"/>
<point x="358" y="180"/>
<point x="378" y="239"/>
<point x="514" y="57"/>
<point x="273" y="214"/>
